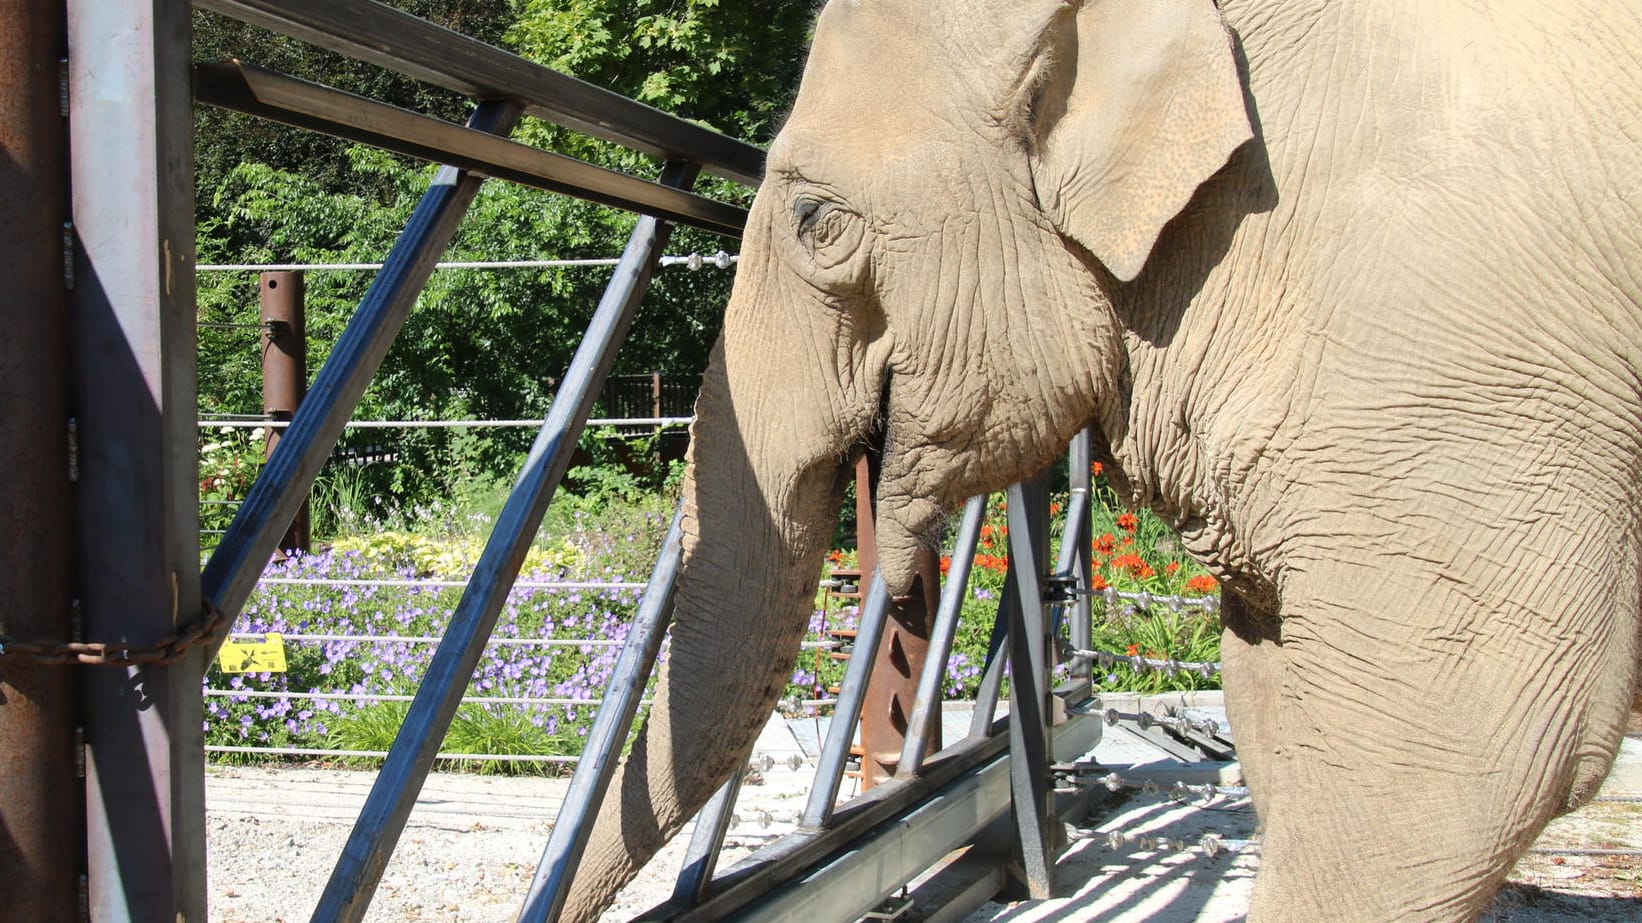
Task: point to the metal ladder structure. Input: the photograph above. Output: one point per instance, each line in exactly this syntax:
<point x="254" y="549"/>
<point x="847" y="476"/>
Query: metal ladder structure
<point x="128" y="90"/>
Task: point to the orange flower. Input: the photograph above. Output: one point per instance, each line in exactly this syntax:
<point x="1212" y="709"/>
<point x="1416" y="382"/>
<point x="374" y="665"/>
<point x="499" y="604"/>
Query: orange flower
<point x="1096" y="469"/>
<point x="1133" y="649"/>
<point x="1106" y="544"/>
<point x="1202" y="583"/>
<point x="1097" y="582"/>
<point x="1127" y="522"/>
<point x="1054" y="509"/>
<point x="1134" y="564"/>
<point x="946" y="565"/>
<point x="835" y="556"/>
<point x="1171" y="567"/>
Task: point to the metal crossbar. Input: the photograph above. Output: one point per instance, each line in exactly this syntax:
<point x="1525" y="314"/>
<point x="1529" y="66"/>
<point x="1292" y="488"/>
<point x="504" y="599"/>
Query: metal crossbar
<point x="381" y="35"/>
<point x="388" y="807"/>
<point x="254" y="91"/>
<point x="290" y="472"/>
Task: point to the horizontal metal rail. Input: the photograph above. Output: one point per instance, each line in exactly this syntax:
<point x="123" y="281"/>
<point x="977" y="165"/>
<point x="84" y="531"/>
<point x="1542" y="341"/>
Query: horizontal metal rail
<point x="720" y="259"/>
<point x="379" y="754"/>
<point x="265" y="94"/>
<point x="388" y="697"/>
<point x="902" y="802"/>
<point x="387" y="37"/>
<point x="498" y="642"/>
<point x="873" y="866"/>
<point x="592" y="585"/>
<point x="251" y="421"/>
<point x="431" y="639"/>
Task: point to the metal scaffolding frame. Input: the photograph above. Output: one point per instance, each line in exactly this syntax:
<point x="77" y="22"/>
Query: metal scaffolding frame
<point x="128" y="82"/>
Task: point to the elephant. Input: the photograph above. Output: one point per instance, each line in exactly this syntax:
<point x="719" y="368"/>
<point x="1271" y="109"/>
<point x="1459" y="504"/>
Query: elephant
<point x="1349" y="292"/>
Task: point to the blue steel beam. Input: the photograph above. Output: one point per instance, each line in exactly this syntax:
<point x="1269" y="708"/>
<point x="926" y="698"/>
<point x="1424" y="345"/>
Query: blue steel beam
<point x="1029" y="683"/>
<point x="602" y="750"/>
<point x="829" y="775"/>
<point x="354" y="879"/>
<point x="253" y="536"/>
<point x="928" y="702"/>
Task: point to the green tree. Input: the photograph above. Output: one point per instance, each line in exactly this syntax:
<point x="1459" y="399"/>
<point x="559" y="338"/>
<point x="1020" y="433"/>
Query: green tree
<point x="487" y="344"/>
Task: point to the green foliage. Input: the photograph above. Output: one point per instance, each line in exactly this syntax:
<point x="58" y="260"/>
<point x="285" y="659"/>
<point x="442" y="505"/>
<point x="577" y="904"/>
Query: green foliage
<point x="229" y="461"/>
<point x="480" y="344"/>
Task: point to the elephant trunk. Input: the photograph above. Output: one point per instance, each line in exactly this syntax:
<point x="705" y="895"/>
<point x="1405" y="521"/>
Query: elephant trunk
<point x="754" y="537"/>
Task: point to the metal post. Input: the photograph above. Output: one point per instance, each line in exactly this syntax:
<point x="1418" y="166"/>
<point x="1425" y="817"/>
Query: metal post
<point x="1075" y="540"/>
<point x="829" y="774"/>
<point x="287" y="478"/>
<point x="997" y="658"/>
<point x="695" y="877"/>
<point x="284" y="373"/>
<point x="926" y="711"/>
<point x="130" y="121"/>
<point x="602" y="750"/>
<point x="1029" y="685"/>
<point x="900" y="655"/>
<point x="41" y="800"/>
<point x="387" y="808"/>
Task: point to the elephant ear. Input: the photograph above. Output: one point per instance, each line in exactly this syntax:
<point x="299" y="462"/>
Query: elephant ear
<point x="1137" y="104"/>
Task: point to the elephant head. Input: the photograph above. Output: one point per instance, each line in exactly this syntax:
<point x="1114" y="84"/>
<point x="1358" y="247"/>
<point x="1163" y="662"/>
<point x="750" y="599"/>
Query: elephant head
<point x="970" y="339"/>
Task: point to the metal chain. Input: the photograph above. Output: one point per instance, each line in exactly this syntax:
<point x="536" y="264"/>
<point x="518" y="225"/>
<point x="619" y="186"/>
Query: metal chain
<point x="1180" y="724"/>
<point x="1142" y="600"/>
<point x="1138" y="663"/>
<point x="211" y="626"/>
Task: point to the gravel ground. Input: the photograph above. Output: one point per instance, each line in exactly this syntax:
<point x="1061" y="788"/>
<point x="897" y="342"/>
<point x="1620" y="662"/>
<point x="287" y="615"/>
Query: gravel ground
<point x="471" y="846"/>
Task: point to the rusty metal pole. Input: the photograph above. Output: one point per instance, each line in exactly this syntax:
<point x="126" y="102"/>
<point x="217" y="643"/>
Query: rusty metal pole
<point x="284" y="373"/>
<point x="41" y="801"/>
<point x="901" y="653"/>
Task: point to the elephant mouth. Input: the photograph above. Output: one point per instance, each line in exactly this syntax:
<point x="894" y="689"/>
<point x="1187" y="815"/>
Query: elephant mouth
<point x="907" y="505"/>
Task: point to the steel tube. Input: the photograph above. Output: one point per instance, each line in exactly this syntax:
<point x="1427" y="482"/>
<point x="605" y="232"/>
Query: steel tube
<point x="384" y="36"/>
<point x="695" y="877"/>
<point x="1029" y="685"/>
<point x="284" y="373"/>
<point x="41" y="802"/>
<point x="997" y="657"/>
<point x="602" y="750"/>
<point x="279" y="98"/>
<point x="926" y="707"/>
<point x="231" y="573"/>
<point x="829" y="775"/>
<point x="354" y="879"/>
<point x="1076" y="536"/>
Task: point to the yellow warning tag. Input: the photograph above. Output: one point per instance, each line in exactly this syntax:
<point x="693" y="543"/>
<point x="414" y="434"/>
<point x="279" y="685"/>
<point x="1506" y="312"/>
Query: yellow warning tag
<point x="265" y="656"/>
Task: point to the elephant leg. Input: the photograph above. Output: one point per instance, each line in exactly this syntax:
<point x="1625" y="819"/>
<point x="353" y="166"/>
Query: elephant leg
<point x="1416" y="743"/>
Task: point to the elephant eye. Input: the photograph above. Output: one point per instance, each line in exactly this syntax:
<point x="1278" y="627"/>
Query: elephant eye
<point x="820" y="223"/>
<point x="806" y="211"/>
<point x="828" y="234"/>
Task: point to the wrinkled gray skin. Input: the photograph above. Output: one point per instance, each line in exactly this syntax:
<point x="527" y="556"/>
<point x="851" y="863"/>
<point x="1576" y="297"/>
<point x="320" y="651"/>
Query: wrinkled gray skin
<point x="1350" y="291"/>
